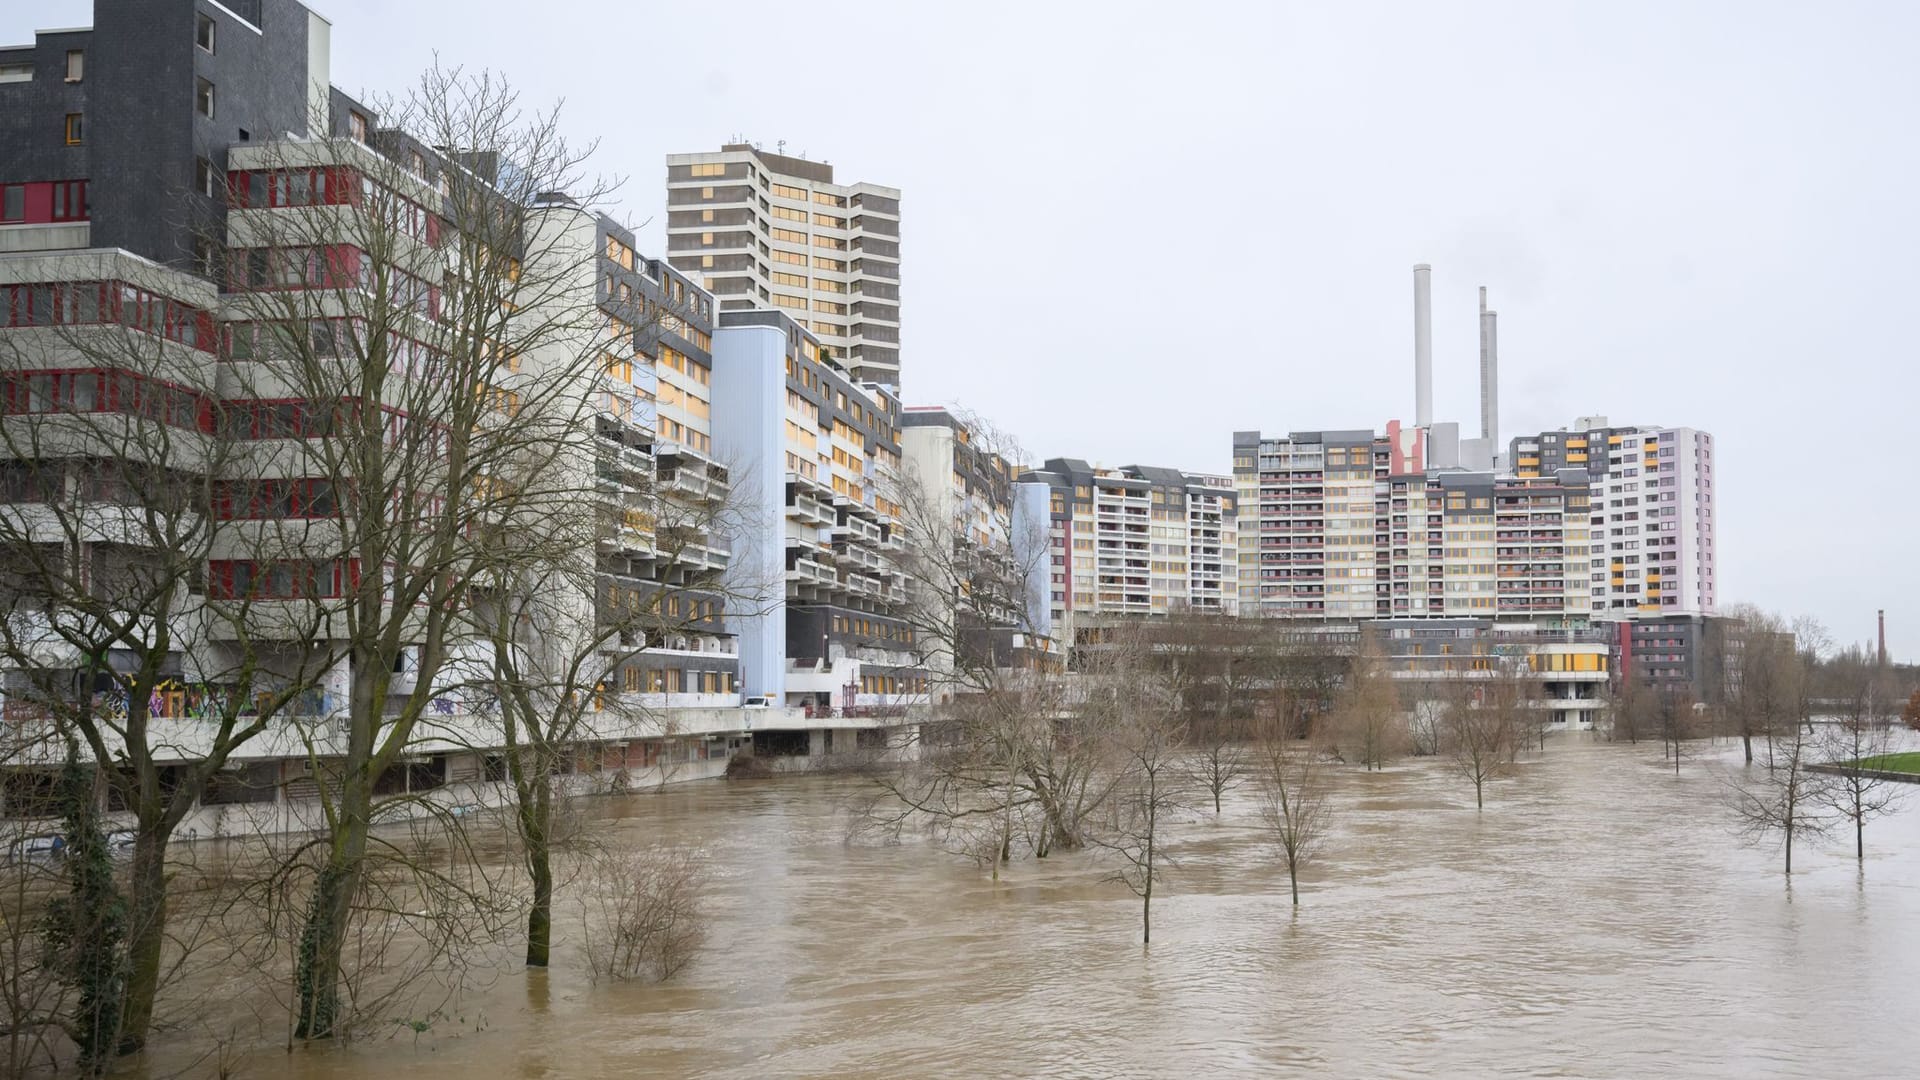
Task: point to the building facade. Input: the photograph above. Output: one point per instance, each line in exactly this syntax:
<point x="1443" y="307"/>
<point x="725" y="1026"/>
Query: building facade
<point x="768" y="230"/>
<point x="1137" y="540"/>
<point x="1347" y="525"/>
<point x="977" y="550"/>
<point x="1684" y="654"/>
<point x="1566" y="671"/>
<point x="195" y="230"/>
<point x="1655" y="536"/>
<point x="822" y="611"/>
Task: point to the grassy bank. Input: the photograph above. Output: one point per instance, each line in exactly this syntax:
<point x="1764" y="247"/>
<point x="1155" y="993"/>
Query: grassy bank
<point x="1901" y="763"/>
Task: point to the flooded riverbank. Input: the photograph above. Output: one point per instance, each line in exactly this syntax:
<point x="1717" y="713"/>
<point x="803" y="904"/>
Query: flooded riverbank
<point x="1599" y="919"/>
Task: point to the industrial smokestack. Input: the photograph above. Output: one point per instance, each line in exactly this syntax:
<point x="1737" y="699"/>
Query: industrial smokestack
<point x="1883" y="637"/>
<point x="1489" y="374"/>
<point x="1423" y="345"/>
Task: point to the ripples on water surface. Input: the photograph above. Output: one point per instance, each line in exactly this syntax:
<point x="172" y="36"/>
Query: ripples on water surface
<point x="1599" y="919"/>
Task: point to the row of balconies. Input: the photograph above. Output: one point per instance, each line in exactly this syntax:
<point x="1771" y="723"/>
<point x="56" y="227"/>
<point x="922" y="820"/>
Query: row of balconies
<point x="855" y="526"/>
<point x="810" y="512"/>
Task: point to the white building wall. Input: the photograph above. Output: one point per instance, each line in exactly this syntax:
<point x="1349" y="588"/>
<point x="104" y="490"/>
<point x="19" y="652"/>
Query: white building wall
<point x="749" y="391"/>
<point x="1032" y="526"/>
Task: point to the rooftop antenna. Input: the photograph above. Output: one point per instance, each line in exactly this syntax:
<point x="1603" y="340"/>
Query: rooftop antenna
<point x="780" y="147"/>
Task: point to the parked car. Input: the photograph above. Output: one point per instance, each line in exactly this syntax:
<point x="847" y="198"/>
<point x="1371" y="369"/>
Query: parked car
<point x="41" y="846"/>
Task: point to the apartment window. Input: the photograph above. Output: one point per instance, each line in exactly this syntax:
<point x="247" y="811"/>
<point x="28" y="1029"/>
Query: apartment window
<point x="789" y="236"/>
<point x="706" y="239"/>
<point x="706" y="193"/>
<point x="203" y="98"/>
<point x="357" y="126"/>
<point x="706" y="262"/>
<point x="830" y="221"/>
<point x="13" y="203"/>
<point x="203" y="176"/>
<point x="706" y="216"/>
<point x="76" y="65"/>
<point x="74" y="129"/>
<point x="203" y="32"/>
<point x="70" y="200"/>
<point x="711" y="169"/>
<point x="821" y="263"/>
<point x="787" y="191"/>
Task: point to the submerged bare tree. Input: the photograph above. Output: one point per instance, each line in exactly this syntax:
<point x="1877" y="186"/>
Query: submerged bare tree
<point x="1763" y="674"/>
<point x="1293" y="779"/>
<point x="1626" y="714"/>
<point x="596" y="552"/>
<point x="1153" y="782"/>
<point x="1857" y="790"/>
<point x="1217" y="669"/>
<point x="1677" y="722"/>
<point x="1483" y="728"/>
<point x="33" y="997"/>
<point x="117" y="493"/>
<point x="1021" y="749"/>
<point x="412" y="306"/>
<point x="1367" y="710"/>
<point x="1786" y="799"/>
<point x="641" y="912"/>
<point x="1428" y="702"/>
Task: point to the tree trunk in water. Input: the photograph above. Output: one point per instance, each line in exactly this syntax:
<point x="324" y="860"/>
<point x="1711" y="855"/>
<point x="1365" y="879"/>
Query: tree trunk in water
<point x="1859" y="839"/>
<point x="147" y="897"/>
<point x="1479" y="799"/>
<point x="536" y="828"/>
<point x="323" y="940"/>
<point x="1789" y="846"/>
<point x="1057" y="832"/>
<point x="1746" y="739"/>
<point x="1146" y="890"/>
<point x="540" y="917"/>
<point x="1293" y="879"/>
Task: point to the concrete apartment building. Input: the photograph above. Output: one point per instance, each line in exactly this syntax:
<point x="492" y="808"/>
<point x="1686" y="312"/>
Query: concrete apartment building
<point x="979" y="538"/>
<point x="770" y="230"/>
<point x="1137" y="540"/>
<point x="1346" y="525"/>
<point x="1654" y="534"/>
<point x="1567" y="669"/>
<point x="152" y="163"/>
<point x="823" y="624"/>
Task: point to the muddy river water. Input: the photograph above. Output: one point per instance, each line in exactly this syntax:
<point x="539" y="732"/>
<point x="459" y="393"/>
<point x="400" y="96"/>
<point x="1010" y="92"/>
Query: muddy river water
<point x="1599" y="919"/>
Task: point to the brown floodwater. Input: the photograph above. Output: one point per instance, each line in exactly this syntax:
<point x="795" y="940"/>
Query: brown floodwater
<point x="1599" y="919"/>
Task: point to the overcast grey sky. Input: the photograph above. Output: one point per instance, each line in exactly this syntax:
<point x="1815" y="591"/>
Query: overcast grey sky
<point x="1130" y="229"/>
